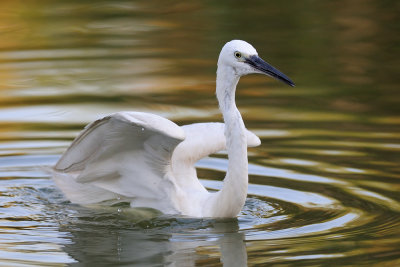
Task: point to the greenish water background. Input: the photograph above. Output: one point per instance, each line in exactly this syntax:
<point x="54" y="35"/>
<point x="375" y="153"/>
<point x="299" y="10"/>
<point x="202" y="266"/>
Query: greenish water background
<point x="324" y="184"/>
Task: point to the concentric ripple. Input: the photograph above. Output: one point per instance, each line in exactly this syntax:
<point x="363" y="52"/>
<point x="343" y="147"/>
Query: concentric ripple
<point x="277" y="223"/>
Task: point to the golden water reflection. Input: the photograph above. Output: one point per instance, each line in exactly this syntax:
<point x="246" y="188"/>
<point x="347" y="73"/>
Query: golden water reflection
<point x="323" y="184"/>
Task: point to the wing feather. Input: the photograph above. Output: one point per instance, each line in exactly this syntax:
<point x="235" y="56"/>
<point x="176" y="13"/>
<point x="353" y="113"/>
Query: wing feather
<point x="203" y="139"/>
<point x="127" y="153"/>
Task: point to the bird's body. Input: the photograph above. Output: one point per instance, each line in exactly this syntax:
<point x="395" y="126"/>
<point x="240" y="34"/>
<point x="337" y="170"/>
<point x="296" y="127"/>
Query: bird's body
<point x="149" y="161"/>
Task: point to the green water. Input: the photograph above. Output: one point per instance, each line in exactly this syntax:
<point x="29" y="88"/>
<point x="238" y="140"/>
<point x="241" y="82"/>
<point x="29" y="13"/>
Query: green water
<point x="324" y="184"/>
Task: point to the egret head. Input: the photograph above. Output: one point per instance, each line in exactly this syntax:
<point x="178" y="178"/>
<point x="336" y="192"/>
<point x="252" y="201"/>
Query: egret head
<point x="243" y="58"/>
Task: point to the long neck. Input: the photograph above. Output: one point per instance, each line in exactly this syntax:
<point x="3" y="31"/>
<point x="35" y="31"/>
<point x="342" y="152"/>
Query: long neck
<point x="231" y="198"/>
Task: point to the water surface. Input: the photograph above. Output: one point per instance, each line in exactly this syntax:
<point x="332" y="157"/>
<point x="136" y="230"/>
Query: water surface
<point x="323" y="185"/>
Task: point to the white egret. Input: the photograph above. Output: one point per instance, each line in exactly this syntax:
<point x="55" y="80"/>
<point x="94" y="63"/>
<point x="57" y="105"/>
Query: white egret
<point x="149" y="161"/>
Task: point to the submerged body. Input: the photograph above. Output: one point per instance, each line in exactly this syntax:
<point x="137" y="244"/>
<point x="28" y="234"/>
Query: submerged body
<point x="149" y="161"/>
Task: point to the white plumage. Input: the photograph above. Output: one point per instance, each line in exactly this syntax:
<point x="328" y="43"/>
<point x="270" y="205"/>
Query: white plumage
<point x="149" y="161"/>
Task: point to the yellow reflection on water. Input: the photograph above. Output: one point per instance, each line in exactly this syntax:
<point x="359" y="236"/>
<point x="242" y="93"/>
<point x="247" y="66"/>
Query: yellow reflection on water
<point x="324" y="181"/>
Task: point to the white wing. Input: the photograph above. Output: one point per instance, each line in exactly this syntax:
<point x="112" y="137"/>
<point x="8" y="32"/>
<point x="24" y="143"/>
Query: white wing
<point x="127" y="153"/>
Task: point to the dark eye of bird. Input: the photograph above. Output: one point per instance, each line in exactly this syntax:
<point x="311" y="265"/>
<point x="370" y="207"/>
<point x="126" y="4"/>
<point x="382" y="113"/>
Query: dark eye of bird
<point x="238" y="55"/>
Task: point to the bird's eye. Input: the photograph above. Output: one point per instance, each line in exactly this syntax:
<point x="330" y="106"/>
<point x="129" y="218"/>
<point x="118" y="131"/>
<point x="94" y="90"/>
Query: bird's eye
<point x="238" y="54"/>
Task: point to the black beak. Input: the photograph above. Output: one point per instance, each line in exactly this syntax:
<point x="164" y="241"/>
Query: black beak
<point x="259" y="64"/>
